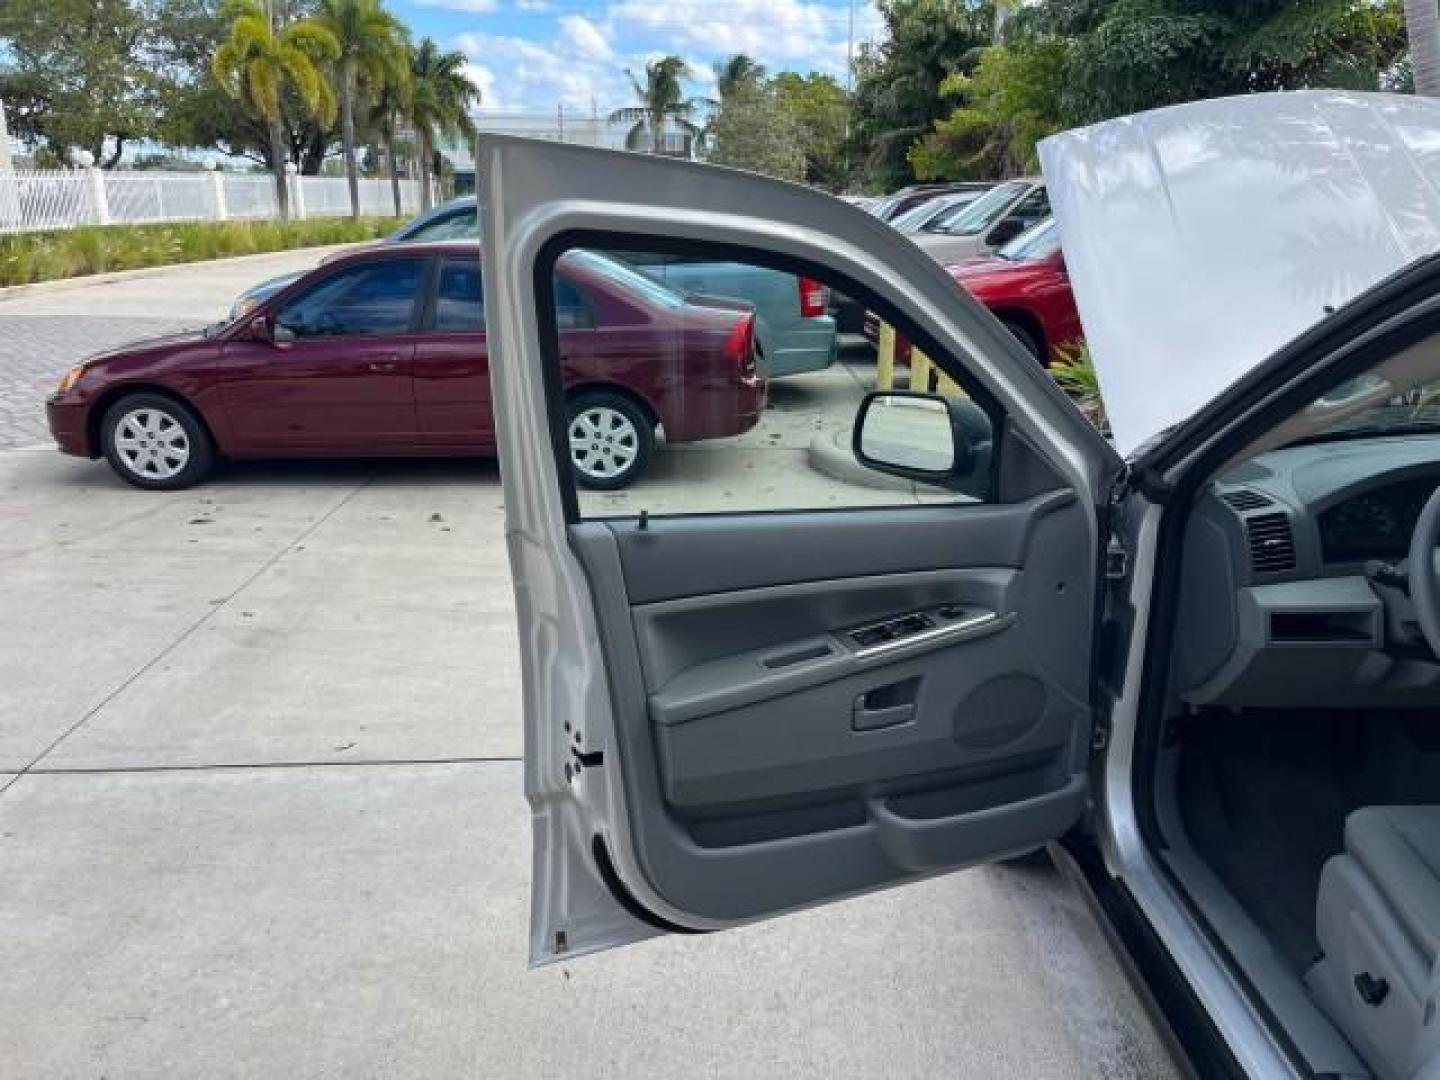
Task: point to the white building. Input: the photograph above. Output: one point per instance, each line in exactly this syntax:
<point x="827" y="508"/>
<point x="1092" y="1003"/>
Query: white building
<point x="562" y="125"/>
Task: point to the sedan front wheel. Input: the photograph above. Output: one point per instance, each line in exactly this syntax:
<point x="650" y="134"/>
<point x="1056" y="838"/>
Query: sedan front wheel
<point x="154" y="442"/>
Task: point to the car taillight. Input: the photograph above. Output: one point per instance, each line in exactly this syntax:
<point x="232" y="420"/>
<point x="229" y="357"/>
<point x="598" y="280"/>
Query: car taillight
<point x="814" y="298"/>
<point x="740" y="345"/>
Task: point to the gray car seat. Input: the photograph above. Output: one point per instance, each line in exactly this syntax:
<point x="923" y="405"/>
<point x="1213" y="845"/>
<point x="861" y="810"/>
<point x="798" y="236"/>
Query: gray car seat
<point x="1378" y="922"/>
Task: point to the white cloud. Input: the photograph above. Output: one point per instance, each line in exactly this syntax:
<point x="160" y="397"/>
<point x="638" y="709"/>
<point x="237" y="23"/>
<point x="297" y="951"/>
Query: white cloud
<point x="484" y="78"/>
<point x="469" y="7"/>
<point x="586" y="38"/>
<point x="539" y="75"/>
<point x="579" y="61"/>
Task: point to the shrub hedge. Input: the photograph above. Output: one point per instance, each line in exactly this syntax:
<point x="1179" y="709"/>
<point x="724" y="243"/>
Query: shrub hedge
<point x="48" y="256"/>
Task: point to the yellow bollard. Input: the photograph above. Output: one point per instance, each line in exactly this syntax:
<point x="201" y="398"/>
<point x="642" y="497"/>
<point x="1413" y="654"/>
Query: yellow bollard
<point x="885" y="358"/>
<point x="946" y="386"/>
<point x="919" y="370"/>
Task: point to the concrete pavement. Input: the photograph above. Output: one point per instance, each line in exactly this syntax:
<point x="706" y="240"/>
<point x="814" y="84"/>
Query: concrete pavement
<point x="260" y="812"/>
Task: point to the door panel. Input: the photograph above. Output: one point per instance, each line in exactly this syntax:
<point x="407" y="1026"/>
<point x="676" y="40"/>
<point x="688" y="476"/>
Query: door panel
<point x="785" y="755"/>
<point x="733" y="714"/>
<point x="323" y="395"/>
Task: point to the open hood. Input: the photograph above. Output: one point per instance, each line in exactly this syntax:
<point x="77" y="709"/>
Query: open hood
<point x="1201" y="238"/>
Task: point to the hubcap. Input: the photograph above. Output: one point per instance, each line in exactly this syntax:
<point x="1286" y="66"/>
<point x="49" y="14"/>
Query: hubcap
<point x="152" y="443"/>
<point x="603" y="442"/>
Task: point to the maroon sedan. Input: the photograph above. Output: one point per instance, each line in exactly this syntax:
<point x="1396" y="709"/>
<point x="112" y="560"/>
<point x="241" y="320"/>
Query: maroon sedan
<point x="382" y="353"/>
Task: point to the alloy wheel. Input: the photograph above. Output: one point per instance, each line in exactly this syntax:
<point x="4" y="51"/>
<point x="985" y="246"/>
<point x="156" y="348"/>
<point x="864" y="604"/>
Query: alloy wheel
<point x="604" y="443"/>
<point x="152" y="443"/>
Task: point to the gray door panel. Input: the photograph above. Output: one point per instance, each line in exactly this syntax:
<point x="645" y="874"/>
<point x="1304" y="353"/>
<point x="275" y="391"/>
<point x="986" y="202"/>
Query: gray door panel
<point x="773" y="761"/>
<point x="695" y="556"/>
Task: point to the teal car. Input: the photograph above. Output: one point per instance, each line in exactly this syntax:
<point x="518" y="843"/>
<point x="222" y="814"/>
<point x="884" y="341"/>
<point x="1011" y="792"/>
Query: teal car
<point x="793" y="324"/>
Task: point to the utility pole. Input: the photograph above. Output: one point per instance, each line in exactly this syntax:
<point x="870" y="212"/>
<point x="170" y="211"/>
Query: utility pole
<point x="849" y="88"/>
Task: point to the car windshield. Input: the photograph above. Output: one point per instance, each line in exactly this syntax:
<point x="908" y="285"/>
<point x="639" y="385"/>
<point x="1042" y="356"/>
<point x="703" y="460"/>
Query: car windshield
<point x="1038" y="242"/>
<point x="460" y="225"/>
<point x="916" y="216"/>
<point x="1416" y="410"/>
<point x="627" y="277"/>
<point x="979" y="215"/>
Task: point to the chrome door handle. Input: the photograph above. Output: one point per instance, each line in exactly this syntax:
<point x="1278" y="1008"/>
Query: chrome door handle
<point x="381" y="365"/>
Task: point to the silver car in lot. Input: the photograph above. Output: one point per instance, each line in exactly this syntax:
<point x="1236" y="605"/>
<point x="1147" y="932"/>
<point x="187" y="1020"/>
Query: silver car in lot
<point x="1200" y="662"/>
<point x="986" y="224"/>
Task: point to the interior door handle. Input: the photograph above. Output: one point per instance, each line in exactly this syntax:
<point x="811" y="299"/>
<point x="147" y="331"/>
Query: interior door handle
<point x="885" y="706"/>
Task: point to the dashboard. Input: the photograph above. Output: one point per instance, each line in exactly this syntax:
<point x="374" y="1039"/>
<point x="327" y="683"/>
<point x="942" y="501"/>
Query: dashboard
<point x="1275" y="609"/>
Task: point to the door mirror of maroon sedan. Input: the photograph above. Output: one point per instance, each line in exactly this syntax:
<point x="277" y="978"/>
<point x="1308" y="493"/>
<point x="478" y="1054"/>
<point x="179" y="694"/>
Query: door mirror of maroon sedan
<point x="265" y="328"/>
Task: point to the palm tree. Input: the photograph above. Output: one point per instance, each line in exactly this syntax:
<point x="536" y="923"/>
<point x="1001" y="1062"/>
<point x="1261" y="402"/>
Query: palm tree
<point x="440" y="99"/>
<point x="386" y="110"/>
<point x="738" y="73"/>
<point x="372" y="47"/>
<point x="1422" y="26"/>
<point x="257" y="62"/>
<point x="662" y="101"/>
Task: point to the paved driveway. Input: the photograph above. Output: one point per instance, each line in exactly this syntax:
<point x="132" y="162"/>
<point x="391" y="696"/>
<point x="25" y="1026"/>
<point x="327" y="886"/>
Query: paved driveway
<point x="260" y="813"/>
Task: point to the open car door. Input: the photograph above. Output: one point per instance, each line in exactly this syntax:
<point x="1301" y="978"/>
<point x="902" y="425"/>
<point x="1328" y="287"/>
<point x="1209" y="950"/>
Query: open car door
<point x="764" y="676"/>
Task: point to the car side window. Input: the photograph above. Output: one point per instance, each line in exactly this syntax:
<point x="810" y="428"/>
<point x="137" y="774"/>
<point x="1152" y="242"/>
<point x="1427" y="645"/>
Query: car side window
<point x="1033" y="208"/>
<point x="459" y="298"/>
<point x="745" y="398"/>
<point x="367" y="300"/>
<point x="461" y="225"/>
<point x="572" y="310"/>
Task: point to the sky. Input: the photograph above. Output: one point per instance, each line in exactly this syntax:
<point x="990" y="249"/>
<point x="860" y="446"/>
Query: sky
<point x="536" y="55"/>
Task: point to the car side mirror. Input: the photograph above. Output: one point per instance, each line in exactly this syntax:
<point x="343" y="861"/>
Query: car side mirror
<point x="260" y="328"/>
<point x="926" y="438"/>
<point x="1005" y="231"/>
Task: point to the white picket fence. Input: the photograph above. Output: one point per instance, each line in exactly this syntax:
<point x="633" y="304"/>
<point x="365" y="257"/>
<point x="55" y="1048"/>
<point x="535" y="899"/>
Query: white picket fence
<point x="33" y="200"/>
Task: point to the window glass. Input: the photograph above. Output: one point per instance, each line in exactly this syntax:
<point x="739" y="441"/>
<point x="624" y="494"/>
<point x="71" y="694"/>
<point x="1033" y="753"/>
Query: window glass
<point x="742" y="397"/>
<point x="1034" y="207"/>
<point x="1038" y="242"/>
<point x="461" y="225"/>
<point x="369" y="299"/>
<point x="979" y="215"/>
<point x="620" y="274"/>
<point x="572" y="311"/>
<point x="459" y="297"/>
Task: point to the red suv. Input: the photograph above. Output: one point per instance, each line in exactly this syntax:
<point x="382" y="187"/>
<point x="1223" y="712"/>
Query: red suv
<point x="382" y="353"/>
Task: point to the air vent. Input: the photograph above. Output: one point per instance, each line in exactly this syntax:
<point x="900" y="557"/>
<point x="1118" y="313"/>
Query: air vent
<point x="1272" y="545"/>
<point x="1245" y="499"/>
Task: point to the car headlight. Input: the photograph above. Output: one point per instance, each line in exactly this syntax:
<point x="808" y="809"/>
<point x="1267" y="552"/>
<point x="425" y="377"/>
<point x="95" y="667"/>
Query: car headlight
<point x="70" y="378"/>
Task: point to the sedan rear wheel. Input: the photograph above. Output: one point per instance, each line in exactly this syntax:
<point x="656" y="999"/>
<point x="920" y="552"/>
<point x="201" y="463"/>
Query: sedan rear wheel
<point x="611" y="440"/>
<point x="155" y="442"/>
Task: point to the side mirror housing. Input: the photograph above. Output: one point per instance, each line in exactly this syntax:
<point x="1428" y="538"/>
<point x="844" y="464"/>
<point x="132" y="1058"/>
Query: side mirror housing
<point x="945" y="442"/>
<point x="260" y="328"/>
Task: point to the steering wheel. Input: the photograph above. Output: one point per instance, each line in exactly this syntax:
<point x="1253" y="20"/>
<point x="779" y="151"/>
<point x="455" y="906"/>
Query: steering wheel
<point x="1425" y="572"/>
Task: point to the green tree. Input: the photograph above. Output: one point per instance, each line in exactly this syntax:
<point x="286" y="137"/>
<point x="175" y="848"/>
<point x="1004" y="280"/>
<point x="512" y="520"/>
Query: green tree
<point x="438" y="105"/>
<point x="79" y="74"/>
<point x="662" y="101"/>
<point x="754" y="131"/>
<point x="373" y="51"/>
<point x="259" y="60"/>
<point x="740" y="72"/>
<point x="817" y="102"/>
<point x="1010" y="102"/>
<point x="897" y="87"/>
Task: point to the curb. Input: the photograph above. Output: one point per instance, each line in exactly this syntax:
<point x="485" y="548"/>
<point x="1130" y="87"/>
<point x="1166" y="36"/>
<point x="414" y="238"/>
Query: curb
<point x="830" y="454"/>
<point x="85" y="281"/>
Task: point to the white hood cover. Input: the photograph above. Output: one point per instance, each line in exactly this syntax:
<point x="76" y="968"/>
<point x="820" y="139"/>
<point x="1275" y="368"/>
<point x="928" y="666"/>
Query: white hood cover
<point x="1202" y="237"/>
